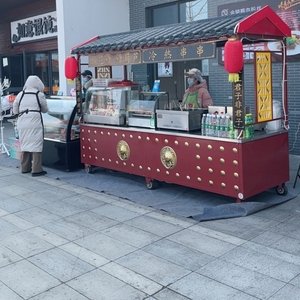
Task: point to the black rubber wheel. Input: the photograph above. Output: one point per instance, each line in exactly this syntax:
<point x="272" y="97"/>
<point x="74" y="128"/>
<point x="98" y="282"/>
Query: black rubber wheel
<point x="282" y="190"/>
<point x="89" y="169"/>
<point x="152" y="185"/>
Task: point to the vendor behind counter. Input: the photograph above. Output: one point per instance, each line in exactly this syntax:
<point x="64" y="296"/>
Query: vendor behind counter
<point x="197" y="95"/>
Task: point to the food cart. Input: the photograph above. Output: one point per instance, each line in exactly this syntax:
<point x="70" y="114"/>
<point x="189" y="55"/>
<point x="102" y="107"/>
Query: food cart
<point x="240" y="166"/>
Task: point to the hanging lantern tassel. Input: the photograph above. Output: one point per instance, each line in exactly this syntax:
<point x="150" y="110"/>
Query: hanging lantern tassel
<point x="71" y="67"/>
<point x="233" y="59"/>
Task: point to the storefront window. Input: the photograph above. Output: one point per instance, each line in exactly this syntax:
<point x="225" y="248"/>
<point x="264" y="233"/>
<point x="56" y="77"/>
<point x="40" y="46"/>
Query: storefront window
<point x="44" y="65"/>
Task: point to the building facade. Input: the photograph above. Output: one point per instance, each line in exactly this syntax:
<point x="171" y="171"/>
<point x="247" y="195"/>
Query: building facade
<point x="36" y="36"/>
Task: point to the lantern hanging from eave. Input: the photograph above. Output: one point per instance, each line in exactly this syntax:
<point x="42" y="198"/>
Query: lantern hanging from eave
<point x="71" y="67"/>
<point x="233" y="58"/>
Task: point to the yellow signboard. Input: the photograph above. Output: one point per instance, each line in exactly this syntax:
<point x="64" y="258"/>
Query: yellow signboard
<point x="264" y="101"/>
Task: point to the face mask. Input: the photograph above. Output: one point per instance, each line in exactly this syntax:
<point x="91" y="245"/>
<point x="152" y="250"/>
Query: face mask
<point x="84" y="80"/>
<point x="190" y="81"/>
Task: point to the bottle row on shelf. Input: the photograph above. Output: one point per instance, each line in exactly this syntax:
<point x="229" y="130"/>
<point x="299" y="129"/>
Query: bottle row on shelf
<point x="221" y="125"/>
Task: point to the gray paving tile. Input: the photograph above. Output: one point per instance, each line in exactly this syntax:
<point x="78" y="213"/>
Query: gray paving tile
<point x="86" y="255"/>
<point x="14" y="204"/>
<point x="132" y="278"/>
<point x="276" y="213"/>
<point x="61" y="292"/>
<point x="68" y="229"/>
<point x="57" y="193"/>
<point x="154" y="225"/>
<point x="267" y="238"/>
<point x="175" y="220"/>
<point x="84" y="202"/>
<point x="98" y="285"/>
<point x="232" y="227"/>
<point x="47" y="236"/>
<point x="286" y="229"/>
<point x="272" y="252"/>
<point x="167" y="294"/>
<point x="296" y="281"/>
<point x="37" y="215"/>
<point x="92" y="220"/>
<point x="61" y="264"/>
<point x="8" y="294"/>
<point x="19" y="222"/>
<point x="262" y="263"/>
<point x="26" y="280"/>
<point x="7" y="229"/>
<point x="15" y="190"/>
<point x="153" y="267"/>
<point x="288" y="245"/>
<point x="105" y="246"/>
<point x="198" y="287"/>
<point x="240" y="278"/>
<point x="7" y="256"/>
<point x="61" y="208"/>
<point x="34" y="198"/>
<point x="183" y="256"/>
<point x="201" y="242"/>
<point x="25" y="244"/>
<point x="115" y="212"/>
<point x="131" y="235"/>
<point x="288" y="292"/>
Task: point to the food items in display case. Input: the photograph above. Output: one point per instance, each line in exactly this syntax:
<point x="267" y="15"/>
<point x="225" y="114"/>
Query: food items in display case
<point x="108" y="105"/>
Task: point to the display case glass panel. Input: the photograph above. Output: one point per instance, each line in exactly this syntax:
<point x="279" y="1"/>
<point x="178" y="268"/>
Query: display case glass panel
<point x="61" y="122"/>
<point x="108" y="105"/>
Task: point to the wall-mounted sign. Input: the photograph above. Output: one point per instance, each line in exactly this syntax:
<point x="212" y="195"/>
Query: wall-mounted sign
<point x="34" y="28"/>
<point x="238" y="103"/>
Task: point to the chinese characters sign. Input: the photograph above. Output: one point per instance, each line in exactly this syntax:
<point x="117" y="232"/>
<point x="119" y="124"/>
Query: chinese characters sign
<point x="163" y="54"/>
<point x="238" y="104"/>
<point x="37" y="27"/>
<point x="186" y="52"/>
<point x="263" y="86"/>
<point x="115" y="59"/>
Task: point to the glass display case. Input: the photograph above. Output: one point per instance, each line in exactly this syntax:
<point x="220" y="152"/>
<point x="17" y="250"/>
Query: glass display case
<point x="108" y="105"/>
<point x="142" y="112"/>
<point x="61" y="134"/>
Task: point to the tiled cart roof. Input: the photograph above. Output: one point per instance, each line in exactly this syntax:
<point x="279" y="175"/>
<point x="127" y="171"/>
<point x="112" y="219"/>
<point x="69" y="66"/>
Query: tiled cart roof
<point x="173" y="34"/>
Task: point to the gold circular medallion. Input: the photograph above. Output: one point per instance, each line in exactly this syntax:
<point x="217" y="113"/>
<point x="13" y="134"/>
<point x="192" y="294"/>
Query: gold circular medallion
<point x="123" y="150"/>
<point x="168" y="157"/>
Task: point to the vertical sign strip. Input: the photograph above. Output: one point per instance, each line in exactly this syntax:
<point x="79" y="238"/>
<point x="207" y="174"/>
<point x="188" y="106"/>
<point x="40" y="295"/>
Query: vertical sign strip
<point x="238" y="103"/>
<point x="263" y="74"/>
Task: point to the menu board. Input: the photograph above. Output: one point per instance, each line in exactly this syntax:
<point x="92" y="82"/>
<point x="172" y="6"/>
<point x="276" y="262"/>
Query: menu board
<point x="289" y="12"/>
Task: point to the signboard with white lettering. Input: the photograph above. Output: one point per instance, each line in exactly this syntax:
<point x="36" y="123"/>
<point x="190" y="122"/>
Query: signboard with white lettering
<point x="34" y="28"/>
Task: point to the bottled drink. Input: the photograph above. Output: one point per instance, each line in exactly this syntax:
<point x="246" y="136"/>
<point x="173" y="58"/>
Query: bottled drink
<point x="217" y="127"/>
<point x="208" y="125"/>
<point x="222" y="126"/>
<point x="203" y="125"/>
<point x="213" y="125"/>
<point x="227" y="126"/>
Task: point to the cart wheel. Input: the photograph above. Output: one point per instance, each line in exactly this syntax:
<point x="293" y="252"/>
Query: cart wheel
<point x="152" y="185"/>
<point x="88" y="169"/>
<point x="282" y="190"/>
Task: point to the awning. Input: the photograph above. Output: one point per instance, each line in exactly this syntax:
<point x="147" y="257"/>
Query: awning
<point x="181" y="41"/>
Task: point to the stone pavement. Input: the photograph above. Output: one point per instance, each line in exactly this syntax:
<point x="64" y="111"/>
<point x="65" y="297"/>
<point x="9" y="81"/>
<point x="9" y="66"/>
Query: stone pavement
<point x="63" y="242"/>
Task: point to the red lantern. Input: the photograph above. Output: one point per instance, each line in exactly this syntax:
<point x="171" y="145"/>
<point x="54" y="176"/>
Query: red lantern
<point x="233" y="58"/>
<point x="71" y="67"/>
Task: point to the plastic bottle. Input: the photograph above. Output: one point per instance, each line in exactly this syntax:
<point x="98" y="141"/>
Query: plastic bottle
<point x="203" y="125"/>
<point x="217" y="126"/>
<point x="213" y="125"/>
<point x="227" y="126"/>
<point x="208" y="125"/>
<point x="222" y="126"/>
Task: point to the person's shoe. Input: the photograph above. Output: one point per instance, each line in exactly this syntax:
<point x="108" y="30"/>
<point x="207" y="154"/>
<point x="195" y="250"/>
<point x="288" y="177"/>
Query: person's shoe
<point x="39" y="173"/>
<point x="24" y="172"/>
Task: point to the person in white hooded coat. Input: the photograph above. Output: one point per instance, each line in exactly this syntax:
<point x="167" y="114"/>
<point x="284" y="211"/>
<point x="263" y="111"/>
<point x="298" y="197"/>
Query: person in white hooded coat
<point x="29" y="106"/>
